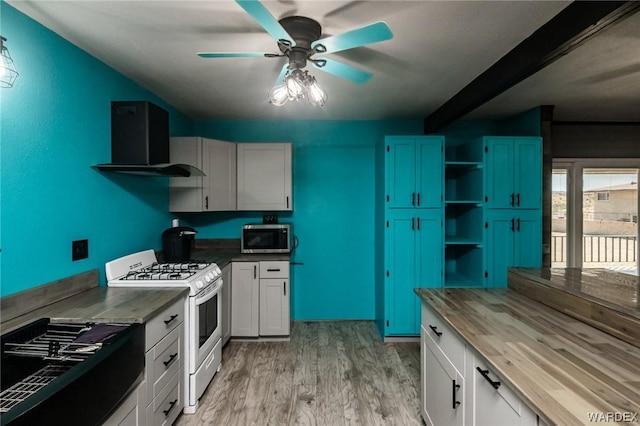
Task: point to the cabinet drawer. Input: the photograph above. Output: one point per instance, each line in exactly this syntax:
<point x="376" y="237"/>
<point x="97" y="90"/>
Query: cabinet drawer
<point x="274" y="269"/>
<point x="497" y="406"/>
<point x="164" y="409"/>
<point x="160" y="325"/>
<point x="163" y="361"/>
<point x="447" y="340"/>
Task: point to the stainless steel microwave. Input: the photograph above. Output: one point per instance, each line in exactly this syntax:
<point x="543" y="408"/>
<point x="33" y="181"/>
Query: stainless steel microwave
<point x="266" y="238"/>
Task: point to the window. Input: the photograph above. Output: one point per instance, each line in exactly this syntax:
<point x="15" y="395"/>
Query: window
<point x="594" y="214"/>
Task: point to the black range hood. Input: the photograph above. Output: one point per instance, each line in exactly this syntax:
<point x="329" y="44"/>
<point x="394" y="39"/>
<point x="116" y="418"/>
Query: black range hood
<point x="140" y="142"/>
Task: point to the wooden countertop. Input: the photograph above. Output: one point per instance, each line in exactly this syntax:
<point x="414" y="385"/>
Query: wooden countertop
<point x="103" y="304"/>
<point x="559" y="366"/>
<point x="612" y="289"/>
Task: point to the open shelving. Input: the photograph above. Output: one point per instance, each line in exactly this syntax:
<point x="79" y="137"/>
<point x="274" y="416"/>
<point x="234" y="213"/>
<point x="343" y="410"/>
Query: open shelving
<point x="464" y="215"/>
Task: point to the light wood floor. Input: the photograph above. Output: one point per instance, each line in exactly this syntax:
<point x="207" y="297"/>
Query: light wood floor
<point x="331" y="373"/>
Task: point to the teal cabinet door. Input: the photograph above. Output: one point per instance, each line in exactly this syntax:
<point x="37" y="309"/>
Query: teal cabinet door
<point x="513" y="172"/>
<point x="400" y="172"/>
<point x="429" y="172"/>
<point x="528" y="173"/>
<point x="513" y="239"/>
<point x="414" y="171"/>
<point x="499" y="173"/>
<point x="499" y="246"/>
<point x="400" y="306"/>
<point x="429" y="248"/>
<point x="528" y="239"/>
<point x="413" y="259"/>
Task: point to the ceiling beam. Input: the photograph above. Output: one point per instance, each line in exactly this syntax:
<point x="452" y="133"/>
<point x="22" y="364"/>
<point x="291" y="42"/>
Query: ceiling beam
<point x="573" y="26"/>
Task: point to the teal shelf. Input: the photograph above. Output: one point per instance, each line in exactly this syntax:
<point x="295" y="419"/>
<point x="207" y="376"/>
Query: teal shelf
<point x="456" y="280"/>
<point x="464" y="164"/>
<point x="461" y="241"/>
<point x="477" y="203"/>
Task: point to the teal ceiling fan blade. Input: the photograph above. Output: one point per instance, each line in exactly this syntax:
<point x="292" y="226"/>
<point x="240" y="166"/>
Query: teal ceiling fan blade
<point x="369" y="34"/>
<point x="231" y="54"/>
<point x="265" y="19"/>
<point x="345" y="71"/>
<point x="283" y="71"/>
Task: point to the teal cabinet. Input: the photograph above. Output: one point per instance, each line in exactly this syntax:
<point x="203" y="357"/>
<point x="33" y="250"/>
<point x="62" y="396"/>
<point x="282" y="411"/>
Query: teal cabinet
<point x="413" y="229"/>
<point x="513" y="238"/>
<point x="414" y="171"/>
<point x="413" y="259"/>
<point x="513" y="176"/>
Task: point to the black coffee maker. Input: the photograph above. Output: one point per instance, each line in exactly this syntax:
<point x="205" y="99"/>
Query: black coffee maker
<point x="177" y="242"/>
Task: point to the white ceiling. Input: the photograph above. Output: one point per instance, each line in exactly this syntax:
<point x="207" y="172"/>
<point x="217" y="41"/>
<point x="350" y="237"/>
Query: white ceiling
<point x="437" y="49"/>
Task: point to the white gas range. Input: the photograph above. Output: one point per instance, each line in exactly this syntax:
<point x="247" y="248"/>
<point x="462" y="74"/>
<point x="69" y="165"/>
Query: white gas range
<point x="203" y="342"/>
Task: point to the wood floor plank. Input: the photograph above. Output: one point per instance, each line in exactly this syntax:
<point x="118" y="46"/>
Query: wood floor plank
<point x="330" y="373"/>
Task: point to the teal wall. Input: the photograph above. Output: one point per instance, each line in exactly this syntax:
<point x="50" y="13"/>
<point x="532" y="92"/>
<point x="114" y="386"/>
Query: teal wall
<point x="333" y="191"/>
<point x="55" y="124"/>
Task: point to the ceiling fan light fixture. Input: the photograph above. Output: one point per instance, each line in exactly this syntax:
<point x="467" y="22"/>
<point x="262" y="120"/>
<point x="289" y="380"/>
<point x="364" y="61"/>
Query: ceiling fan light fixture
<point x="295" y="82"/>
<point x="8" y="73"/>
<point x="316" y="95"/>
<point x="279" y="95"/>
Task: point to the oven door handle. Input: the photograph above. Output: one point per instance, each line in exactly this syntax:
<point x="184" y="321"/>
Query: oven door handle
<point x="208" y="296"/>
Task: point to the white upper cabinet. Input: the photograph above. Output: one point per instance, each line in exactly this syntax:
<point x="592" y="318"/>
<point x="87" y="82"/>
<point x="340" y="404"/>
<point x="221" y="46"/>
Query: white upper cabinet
<point x="264" y="176"/>
<point x="214" y="192"/>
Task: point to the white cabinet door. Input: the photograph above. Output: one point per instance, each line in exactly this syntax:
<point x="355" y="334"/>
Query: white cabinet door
<point x="226" y="303"/>
<point x="245" y="296"/>
<point x="264" y="176"/>
<point x="442" y="386"/>
<point x="274" y="306"/>
<point x="216" y="191"/>
<point x="493" y="403"/>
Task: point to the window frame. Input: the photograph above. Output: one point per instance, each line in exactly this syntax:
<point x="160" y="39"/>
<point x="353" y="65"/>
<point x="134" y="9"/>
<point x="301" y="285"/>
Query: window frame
<point x="575" y="169"/>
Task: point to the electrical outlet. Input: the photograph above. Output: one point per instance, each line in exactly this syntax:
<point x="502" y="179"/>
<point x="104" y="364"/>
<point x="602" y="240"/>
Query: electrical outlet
<point x="79" y="250"/>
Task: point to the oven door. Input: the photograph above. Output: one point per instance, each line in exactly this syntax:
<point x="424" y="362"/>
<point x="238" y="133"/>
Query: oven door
<point x="204" y="325"/>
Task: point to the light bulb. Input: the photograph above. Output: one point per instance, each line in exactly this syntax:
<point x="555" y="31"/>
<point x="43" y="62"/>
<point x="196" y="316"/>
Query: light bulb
<point x="295" y="84"/>
<point x="279" y="95"/>
<point x="3" y="69"/>
<point x="317" y="96"/>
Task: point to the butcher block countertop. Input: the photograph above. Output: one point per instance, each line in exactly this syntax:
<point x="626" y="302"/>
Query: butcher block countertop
<point x="103" y="304"/>
<point x="559" y="366"/>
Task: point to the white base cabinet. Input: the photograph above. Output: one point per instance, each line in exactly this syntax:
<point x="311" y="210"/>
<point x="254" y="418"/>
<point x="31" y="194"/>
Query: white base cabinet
<point x="457" y="386"/>
<point x="226" y="304"/>
<point x="274" y="298"/>
<point x="244" y="295"/>
<point x="164" y="380"/>
<point x="260" y="299"/>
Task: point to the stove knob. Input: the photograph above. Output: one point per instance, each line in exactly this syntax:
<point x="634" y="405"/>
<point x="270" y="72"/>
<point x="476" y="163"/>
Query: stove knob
<point x="211" y="276"/>
<point x="207" y="278"/>
<point x="199" y="284"/>
<point x="218" y="270"/>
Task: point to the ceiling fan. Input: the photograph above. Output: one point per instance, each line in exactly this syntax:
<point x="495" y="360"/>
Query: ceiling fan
<point x="298" y="39"/>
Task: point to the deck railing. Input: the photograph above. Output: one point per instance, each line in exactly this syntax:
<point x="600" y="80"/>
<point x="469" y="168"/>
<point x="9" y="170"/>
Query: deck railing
<point x="598" y="248"/>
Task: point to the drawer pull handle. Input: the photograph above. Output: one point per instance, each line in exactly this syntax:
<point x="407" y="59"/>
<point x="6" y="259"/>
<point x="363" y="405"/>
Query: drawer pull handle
<point x="171" y="318"/>
<point x="454" y="390"/>
<point x="485" y="374"/>
<point x="170" y="360"/>
<point x="273" y="269"/>
<point x="168" y="410"/>
<point x="435" y="330"/>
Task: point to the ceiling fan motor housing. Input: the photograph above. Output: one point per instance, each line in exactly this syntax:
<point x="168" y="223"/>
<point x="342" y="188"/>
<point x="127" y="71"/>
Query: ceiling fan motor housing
<point x="304" y="32"/>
